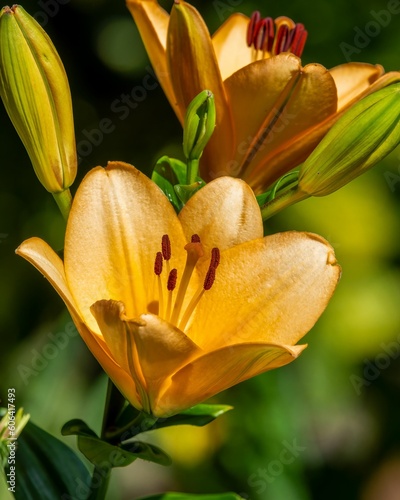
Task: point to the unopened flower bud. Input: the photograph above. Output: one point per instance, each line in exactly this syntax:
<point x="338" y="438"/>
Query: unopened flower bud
<point x="36" y="95"/>
<point x="362" y="137"/>
<point x="199" y="124"/>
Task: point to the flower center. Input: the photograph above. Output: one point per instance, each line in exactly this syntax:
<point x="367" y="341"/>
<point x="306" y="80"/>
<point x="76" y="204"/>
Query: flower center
<point x="171" y="297"/>
<point x="270" y="37"/>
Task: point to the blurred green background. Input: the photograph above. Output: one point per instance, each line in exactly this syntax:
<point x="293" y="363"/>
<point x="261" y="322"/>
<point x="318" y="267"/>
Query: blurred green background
<point x="326" y="426"/>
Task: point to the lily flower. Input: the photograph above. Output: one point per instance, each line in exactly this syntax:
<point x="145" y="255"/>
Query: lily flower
<point x="179" y="308"/>
<point x="271" y="111"/>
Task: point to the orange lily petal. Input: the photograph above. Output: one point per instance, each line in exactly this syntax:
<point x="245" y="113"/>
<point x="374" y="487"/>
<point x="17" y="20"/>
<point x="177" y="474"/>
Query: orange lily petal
<point x="267" y="290"/>
<point x="114" y="231"/>
<point x="289" y="99"/>
<point x="152" y="23"/>
<point x="353" y="78"/>
<point x="39" y="253"/>
<point x="194" y="67"/>
<point x="218" y="370"/>
<point x="230" y="45"/>
<point x="224" y="213"/>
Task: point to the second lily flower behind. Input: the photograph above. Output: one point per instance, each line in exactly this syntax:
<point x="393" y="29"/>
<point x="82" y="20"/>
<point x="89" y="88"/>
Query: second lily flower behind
<point x="271" y="111"/>
<point x="179" y="308"/>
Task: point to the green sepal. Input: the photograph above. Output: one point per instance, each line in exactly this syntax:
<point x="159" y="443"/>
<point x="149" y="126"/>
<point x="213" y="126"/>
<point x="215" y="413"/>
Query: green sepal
<point x="166" y="174"/>
<point x="103" y="454"/>
<point x="46" y="467"/>
<point x="184" y="496"/>
<point x="184" y="192"/>
<point x="198" y="415"/>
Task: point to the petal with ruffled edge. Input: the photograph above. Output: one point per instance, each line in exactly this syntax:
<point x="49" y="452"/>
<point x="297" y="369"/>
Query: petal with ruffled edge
<point x="39" y="253"/>
<point x="148" y="348"/>
<point x="267" y="290"/>
<point x="218" y="370"/>
<point x="152" y="23"/>
<point x="223" y="213"/>
<point x="114" y="231"/>
<point x="230" y="44"/>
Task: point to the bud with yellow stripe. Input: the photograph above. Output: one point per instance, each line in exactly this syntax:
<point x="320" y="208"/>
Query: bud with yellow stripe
<point x="35" y="92"/>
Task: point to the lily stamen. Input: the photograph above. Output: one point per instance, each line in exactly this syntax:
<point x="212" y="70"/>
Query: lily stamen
<point x="171" y="285"/>
<point x="158" y="267"/>
<point x="274" y="37"/>
<point x="208" y="283"/>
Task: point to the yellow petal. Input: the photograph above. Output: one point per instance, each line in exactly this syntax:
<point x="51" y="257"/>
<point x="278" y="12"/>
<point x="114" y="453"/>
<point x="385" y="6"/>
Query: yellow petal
<point x="352" y="79"/>
<point x="148" y="348"/>
<point x="230" y="45"/>
<point x="224" y="213"/>
<point x="194" y="67"/>
<point x="268" y="290"/>
<point x="273" y="101"/>
<point x="152" y="23"/>
<point x="114" y="231"/>
<point x="218" y="370"/>
<point x="39" y="253"/>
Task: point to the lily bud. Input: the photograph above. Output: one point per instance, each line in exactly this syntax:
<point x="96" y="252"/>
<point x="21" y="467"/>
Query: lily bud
<point x="35" y="91"/>
<point x="362" y="137"/>
<point x="199" y="125"/>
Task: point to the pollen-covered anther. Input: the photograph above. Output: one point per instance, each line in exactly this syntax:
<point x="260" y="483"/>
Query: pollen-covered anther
<point x="270" y="37"/>
<point x="172" y="278"/>
<point x="158" y="264"/>
<point x="215" y="257"/>
<point x="209" y="279"/>
<point x="166" y="247"/>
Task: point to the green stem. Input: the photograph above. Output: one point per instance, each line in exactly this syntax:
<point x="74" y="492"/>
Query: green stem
<point x="101" y="475"/>
<point x="192" y="171"/>
<point x="282" y="201"/>
<point x="64" y="201"/>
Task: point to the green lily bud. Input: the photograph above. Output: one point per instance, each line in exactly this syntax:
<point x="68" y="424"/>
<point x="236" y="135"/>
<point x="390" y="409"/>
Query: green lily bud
<point x="362" y="137"/>
<point x="35" y="91"/>
<point x="199" y="125"/>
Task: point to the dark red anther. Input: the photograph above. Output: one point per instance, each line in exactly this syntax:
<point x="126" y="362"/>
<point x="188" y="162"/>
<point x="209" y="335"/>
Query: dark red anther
<point x="209" y="279"/>
<point x="195" y="238"/>
<point x="255" y="17"/>
<point x="158" y="264"/>
<point x="260" y="35"/>
<point x="166" y="247"/>
<point x="270" y="34"/>
<point x="281" y="39"/>
<point x="215" y="258"/>
<point x="298" y="40"/>
<point x="172" y="278"/>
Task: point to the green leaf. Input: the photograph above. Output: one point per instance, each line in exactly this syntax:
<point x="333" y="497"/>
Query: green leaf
<point x="167" y="173"/>
<point x="198" y="415"/>
<point x="106" y="455"/>
<point x="186" y="191"/>
<point x="184" y="496"/>
<point x="46" y="468"/>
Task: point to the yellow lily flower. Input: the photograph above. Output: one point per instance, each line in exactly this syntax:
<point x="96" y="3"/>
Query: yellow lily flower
<point x="271" y="111"/>
<point x="179" y="308"/>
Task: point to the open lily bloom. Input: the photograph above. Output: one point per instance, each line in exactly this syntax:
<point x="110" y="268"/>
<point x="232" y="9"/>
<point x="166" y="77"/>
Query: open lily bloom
<point x="271" y="111"/>
<point x="179" y="308"/>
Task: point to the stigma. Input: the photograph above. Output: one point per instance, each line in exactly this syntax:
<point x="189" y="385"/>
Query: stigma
<point x="173" y="304"/>
<point x="269" y="37"/>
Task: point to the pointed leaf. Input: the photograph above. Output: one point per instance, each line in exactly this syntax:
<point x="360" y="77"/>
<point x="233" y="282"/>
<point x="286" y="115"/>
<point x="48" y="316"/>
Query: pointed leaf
<point x="198" y="415"/>
<point x="47" y="468"/>
<point x="166" y="174"/>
